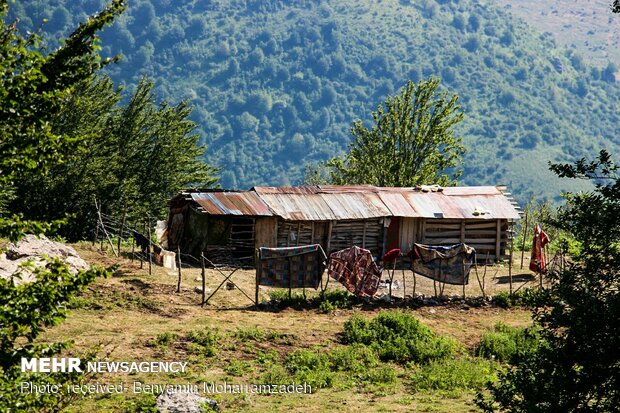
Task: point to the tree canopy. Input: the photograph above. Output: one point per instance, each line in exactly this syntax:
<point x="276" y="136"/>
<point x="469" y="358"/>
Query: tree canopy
<point x="132" y="158"/>
<point x="33" y="89"/>
<point x="412" y="141"/>
<point x="576" y="368"/>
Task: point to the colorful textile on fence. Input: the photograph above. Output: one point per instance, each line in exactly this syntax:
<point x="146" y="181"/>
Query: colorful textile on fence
<point x="391" y="255"/>
<point x="450" y="265"/>
<point x="355" y="269"/>
<point x="537" y="263"/>
<point x="291" y="267"/>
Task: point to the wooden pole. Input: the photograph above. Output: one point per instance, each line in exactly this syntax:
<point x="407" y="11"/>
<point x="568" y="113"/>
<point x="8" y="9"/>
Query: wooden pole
<point x="498" y="240"/>
<point x="330" y="227"/>
<point x="204" y="279"/>
<point x="414" y="278"/>
<point x="464" y="280"/>
<point x="510" y="262"/>
<point x="96" y="234"/>
<point x="104" y="230"/>
<point x="290" y="277"/>
<point x="258" y="269"/>
<point x="120" y="236"/>
<point x="524" y="234"/>
<point x="149" y="250"/>
<point x="179" y="264"/>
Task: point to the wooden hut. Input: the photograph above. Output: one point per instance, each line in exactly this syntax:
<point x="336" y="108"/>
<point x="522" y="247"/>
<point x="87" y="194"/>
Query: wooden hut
<point x="228" y="225"/>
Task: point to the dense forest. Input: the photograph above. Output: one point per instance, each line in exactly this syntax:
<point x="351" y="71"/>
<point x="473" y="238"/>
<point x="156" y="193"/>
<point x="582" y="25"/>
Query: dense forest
<point x="277" y="85"/>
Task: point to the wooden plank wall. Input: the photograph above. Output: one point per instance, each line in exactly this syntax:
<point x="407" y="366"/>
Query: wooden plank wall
<point x="480" y="234"/>
<point x="363" y="233"/>
<point x="266" y="232"/>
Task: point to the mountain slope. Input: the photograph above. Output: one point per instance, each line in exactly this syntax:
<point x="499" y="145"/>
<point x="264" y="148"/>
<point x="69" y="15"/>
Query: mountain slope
<point x="586" y="26"/>
<point x="277" y="85"/>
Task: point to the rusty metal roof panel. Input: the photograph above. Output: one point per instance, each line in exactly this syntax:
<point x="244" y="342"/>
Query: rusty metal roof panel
<point x="291" y="190"/>
<point x="398" y="205"/>
<point x="430" y="204"/>
<point x="354" y="205"/>
<point x="471" y="190"/>
<point x="485" y="207"/>
<point x="231" y="203"/>
<point x="298" y="207"/>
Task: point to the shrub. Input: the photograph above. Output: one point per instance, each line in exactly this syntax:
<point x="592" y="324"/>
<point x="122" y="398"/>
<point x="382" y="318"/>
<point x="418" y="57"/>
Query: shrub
<point x="461" y="374"/>
<point x="356" y="358"/>
<point x="203" y="342"/>
<point x="165" y="339"/>
<point x="310" y="367"/>
<point x="250" y="333"/>
<point x="399" y="337"/>
<point x="238" y="367"/>
<point x="507" y="343"/>
<point x="281" y="299"/>
<point x="527" y="297"/>
<point x="330" y="300"/>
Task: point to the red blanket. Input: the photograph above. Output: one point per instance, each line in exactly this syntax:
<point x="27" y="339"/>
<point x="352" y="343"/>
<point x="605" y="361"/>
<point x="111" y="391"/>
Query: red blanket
<point x="537" y="263"/>
<point x="355" y="269"/>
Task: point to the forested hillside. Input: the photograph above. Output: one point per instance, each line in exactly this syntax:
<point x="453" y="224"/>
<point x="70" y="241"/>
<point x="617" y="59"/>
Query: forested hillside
<point x="277" y="85"/>
<point x="587" y="26"/>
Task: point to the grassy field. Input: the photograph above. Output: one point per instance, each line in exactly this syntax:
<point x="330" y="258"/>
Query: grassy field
<point x="134" y="316"/>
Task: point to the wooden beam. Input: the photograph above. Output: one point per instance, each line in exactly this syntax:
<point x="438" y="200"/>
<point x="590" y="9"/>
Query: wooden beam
<point x="463" y="232"/>
<point x="498" y="239"/>
<point x="329" y="235"/>
<point x="364" y="235"/>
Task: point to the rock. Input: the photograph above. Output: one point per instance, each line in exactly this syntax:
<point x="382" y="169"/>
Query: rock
<point x="183" y="402"/>
<point x="37" y="250"/>
<point x="199" y="290"/>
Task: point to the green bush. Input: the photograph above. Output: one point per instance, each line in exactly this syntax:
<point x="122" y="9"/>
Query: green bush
<point x="527" y="297"/>
<point x="250" y="333"/>
<point x="238" y="367"/>
<point x="507" y="343"/>
<point x="355" y="358"/>
<point x="310" y="367"/>
<point x="331" y="300"/>
<point x="165" y="339"/>
<point x="203" y="342"/>
<point x="280" y="298"/>
<point x="461" y="374"/>
<point x="398" y="337"/>
<point x="380" y="375"/>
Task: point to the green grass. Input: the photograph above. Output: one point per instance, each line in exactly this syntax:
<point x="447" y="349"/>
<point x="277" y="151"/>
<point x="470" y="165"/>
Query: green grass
<point x="507" y="344"/>
<point x="458" y="375"/>
<point x="399" y="337"/>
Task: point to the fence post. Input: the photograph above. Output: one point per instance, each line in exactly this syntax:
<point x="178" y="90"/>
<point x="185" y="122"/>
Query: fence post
<point x="179" y="264"/>
<point x="524" y="234"/>
<point x="120" y="236"/>
<point x="204" y="280"/>
<point x="149" y="249"/>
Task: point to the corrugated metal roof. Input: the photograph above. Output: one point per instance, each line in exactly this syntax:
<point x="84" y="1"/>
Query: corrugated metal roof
<point x="324" y="203"/>
<point x="493" y="207"/>
<point x="231" y="203"/>
<point x="309" y="207"/>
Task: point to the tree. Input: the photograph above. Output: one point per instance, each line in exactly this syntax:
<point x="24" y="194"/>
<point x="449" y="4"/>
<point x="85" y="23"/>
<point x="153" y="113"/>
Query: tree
<point x="33" y="89"/>
<point x="134" y="157"/>
<point x="577" y="366"/>
<point x="412" y="141"/>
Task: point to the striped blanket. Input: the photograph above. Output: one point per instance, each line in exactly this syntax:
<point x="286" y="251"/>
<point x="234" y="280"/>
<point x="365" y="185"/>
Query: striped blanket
<point x="355" y="269"/>
<point x="291" y="267"/>
<point x="450" y="265"/>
